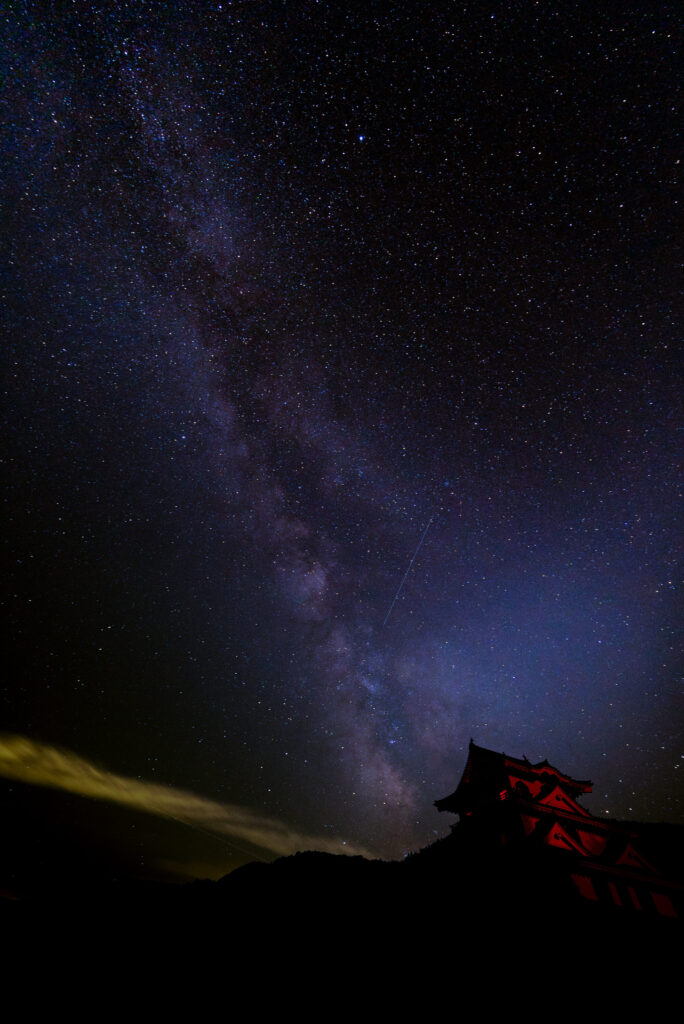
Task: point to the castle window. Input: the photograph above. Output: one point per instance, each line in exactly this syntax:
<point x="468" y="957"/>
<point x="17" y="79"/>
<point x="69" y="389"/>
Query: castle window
<point x="663" y="904"/>
<point x="585" y="887"/>
<point x="635" y="898"/>
<point x="615" y="894"/>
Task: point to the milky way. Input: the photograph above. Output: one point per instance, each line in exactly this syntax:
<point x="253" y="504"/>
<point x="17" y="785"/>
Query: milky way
<point x="287" y="283"/>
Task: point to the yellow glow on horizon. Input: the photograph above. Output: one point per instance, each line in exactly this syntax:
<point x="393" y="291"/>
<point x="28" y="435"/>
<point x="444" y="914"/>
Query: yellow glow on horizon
<point x="40" y="764"/>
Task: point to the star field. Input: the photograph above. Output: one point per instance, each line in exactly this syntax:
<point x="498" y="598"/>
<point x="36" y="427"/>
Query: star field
<point x="287" y="283"/>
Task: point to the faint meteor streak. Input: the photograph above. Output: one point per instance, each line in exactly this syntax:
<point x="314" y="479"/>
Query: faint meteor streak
<point x="420" y="544"/>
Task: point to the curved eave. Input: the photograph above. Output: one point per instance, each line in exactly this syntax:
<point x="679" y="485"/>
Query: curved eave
<point x="448" y="803"/>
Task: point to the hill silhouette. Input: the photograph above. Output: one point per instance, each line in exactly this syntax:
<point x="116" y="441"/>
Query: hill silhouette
<point x="328" y="932"/>
<point x="500" y="888"/>
<point x="526" y="884"/>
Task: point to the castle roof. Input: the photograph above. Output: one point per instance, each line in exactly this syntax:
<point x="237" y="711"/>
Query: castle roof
<point x="486" y="770"/>
<point x="508" y="802"/>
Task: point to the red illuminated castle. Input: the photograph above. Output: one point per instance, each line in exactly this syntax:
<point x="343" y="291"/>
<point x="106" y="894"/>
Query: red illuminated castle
<point x="506" y="801"/>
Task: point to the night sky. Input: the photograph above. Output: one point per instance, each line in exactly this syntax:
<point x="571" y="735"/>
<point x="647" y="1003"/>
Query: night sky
<point x="289" y="288"/>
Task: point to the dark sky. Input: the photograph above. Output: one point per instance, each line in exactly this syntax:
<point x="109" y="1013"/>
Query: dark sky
<point x="287" y="284"/>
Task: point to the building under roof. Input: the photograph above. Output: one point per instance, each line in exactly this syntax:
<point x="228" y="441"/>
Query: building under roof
<point x="509" y="802"/>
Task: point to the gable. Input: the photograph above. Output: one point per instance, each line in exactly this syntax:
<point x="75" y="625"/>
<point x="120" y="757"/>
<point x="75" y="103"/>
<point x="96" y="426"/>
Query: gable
<point x="557" y="798"/>
<point x="594" y="842"/>
<point x="557" y="836"/>
<point x="630" y="857"/>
